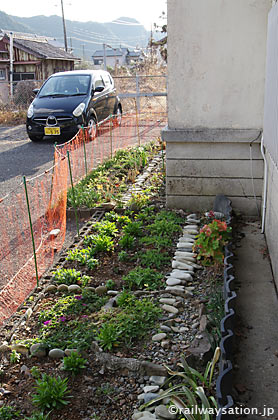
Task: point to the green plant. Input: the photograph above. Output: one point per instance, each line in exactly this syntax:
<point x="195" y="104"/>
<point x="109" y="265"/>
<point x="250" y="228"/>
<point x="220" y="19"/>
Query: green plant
<point x="160" y="242"/>
<point x="133" y="228"/>
<point x="92" y="263"/>
<point x="99" y="243"/>
<point x="141" y="278"/>
<point x="110" y="284"/>
<point x="35" y="372"/>
<point x="194" y="392"/>
<point x="51" y="392"/>
<point x="123" y="256"/>
<point x="138" y="201"/>
<point x="14" y="357"/>
<point x="154" y="258"/>
<point x="66" y="276"/>
<point x="8" y="413"/>
<point x="211" y="241"/>
<point x="74" y="363"/>
<point x="127" y="241"/>
<point x="108" y="336"/>
<point x="106" y="227"/>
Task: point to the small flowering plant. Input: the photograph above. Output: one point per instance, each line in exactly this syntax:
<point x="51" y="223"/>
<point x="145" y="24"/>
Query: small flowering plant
<point x="211" y="241"/>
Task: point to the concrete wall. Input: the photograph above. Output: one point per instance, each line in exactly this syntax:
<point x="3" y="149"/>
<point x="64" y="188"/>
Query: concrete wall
<point x="216" y="77"/>
<point x="271" y="221"/>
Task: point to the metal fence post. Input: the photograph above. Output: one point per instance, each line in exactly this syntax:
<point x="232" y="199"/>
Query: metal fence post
<point x="31" y="229"/>
<point x="138" y="93"/>
<point x="111" y="136"/>
<point x="73" y="195"/>
<point x="85" y="154"/>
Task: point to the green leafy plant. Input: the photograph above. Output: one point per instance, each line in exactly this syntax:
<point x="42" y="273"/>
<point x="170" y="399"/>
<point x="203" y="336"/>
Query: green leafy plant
<point x="138" y="200"/>
<point x="106" y="227"/>
<point x="92" y="263"/>
<point x="74" y="363"/>
<point x="35" y="372"/>
<point x="110" y="284"/>
<point x="193" y="392"/>
<point x="141" y="278"/>
<point x="66" y="276"/>
<point x="127" y="241"/>
<point x="211" y="241"/>
<point x="99" y="243"/>
<point x="14" y="357"/>
<point x="123" y="256"/>
<point x="133" y="228"/>
<point x="8" y="413"/>
<point x="108" y="336"/>
<point x="154" y="258"/>
<point x="51" y="392"/>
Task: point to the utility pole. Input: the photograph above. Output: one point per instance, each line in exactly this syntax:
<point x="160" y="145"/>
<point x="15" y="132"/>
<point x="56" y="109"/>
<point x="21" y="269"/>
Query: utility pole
<point x="11" y="63"/>
<point x="64" y="26"/>
<point x="104" y="57"/>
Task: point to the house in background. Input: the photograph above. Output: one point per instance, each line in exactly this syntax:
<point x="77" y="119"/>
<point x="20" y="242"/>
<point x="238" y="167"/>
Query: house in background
<point x="34" y="58"/>
<point x="116" y="57"/>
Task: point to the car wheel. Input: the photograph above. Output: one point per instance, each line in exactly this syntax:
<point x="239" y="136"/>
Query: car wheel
<point x="92" y="127"/>
<point x="35" y="138"/>
<point x="118" y="116"/>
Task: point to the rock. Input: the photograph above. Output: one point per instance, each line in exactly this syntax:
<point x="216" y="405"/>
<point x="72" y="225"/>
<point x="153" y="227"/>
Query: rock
<point x="159" y="337"/>
<point x="147" y="397"/>
<point x="4" y="348"/>
<point x="171" y="281"/>
<point x="51" y="288"/>
<point x="186" y="245"/>
<point x="165" y="328"/>
<point x="158" y="380"/>
<point x="190" y="227"/>
<point x="28" y="313"/>
<point x="74" y="288"/>
<point x="101" y="290"/>
<point x="169" y="301"/>
<point x="137" y="416"/>
<point x="192" y="216"/>
<point x="147" y="415"/>
<point x="165" y="344"/>
<point x="56" y="354"/>
<point x="177" y="287"/>
<point x="90" y="289"/>
<point x="62" y="288"/>
<point x="38" y="350"/>
<point x="25" y="370"/>
<point x="163" y="411"/>
<point x="151" y="388"/>
<point x="112" y="293"/>
<point x="68" y="352"/>
<point x="184" y="329"/>
<point x="179" y="274"/>
<point x="185" y="254"/>
<point x="181" y="265"/>
<point x="54" y="233"/>
<point x="170" y="309"/>
<point x="203" y="323"/>
<point x="191" y="231"/>
<point x="20" y="348"/>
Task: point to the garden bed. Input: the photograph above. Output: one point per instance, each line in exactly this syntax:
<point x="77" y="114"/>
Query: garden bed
<point x="112" y="299"/>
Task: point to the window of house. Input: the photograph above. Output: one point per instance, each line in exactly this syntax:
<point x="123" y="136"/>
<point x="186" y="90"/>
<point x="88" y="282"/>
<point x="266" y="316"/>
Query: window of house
<point x="17" y="77"/>
<point x="2" y="74"/>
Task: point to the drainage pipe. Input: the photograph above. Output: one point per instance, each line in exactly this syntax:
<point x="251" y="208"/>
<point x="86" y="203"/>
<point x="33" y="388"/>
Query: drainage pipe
<point x="265" y="184"/>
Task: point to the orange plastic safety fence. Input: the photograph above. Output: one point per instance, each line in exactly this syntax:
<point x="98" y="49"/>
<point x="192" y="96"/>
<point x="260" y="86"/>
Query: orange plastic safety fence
<point x="47" y="195"/>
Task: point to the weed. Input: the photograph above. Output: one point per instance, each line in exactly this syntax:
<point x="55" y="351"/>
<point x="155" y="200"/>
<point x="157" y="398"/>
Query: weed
<point x="154" y="258"/>
<point x="99" y="243"/>
<point x="66" y="276"/>
<point x="141" y="278"/>
<point x="35" y="372"/>
<point x="110" y="284"/>
<point x="14" y="357"/>
<point x="74" y="363"/>
<point x="107" y="228"/>
<point x="123" y="256"/>
<point x="39" y="416"/>
<point x="108" y="336"/>
<point x="133" y="228"/>
<point x="127" y="241"/>
<point x="8" y="413"/>
<point x="51" y="392"/>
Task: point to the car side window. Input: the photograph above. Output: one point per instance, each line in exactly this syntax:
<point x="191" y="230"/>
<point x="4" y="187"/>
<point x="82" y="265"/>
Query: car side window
<point x="99" y="81"/>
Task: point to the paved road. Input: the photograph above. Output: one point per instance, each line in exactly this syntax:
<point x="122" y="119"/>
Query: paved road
<point x="19" y="156"/>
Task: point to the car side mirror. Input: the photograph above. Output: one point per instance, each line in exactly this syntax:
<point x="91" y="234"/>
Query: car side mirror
<point x="99" y="89"/>
<point x="35" y="91"/>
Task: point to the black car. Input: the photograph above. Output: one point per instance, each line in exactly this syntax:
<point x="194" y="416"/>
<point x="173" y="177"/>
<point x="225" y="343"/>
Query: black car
<point x="68" y="100"/>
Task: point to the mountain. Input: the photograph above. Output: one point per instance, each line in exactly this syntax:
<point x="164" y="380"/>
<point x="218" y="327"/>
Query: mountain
<point x="83" y="37"/>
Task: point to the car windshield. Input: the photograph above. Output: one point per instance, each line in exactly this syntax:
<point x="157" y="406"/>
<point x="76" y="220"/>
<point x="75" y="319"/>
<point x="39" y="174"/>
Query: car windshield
<point x="68" y="85"/>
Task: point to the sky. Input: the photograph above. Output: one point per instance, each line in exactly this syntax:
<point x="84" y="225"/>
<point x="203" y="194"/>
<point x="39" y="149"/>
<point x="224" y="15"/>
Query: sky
<point x="145" y="11"/>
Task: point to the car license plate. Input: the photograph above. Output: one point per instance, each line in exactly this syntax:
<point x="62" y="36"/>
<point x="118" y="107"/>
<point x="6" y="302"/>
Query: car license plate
<point x="52" y="131"/>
